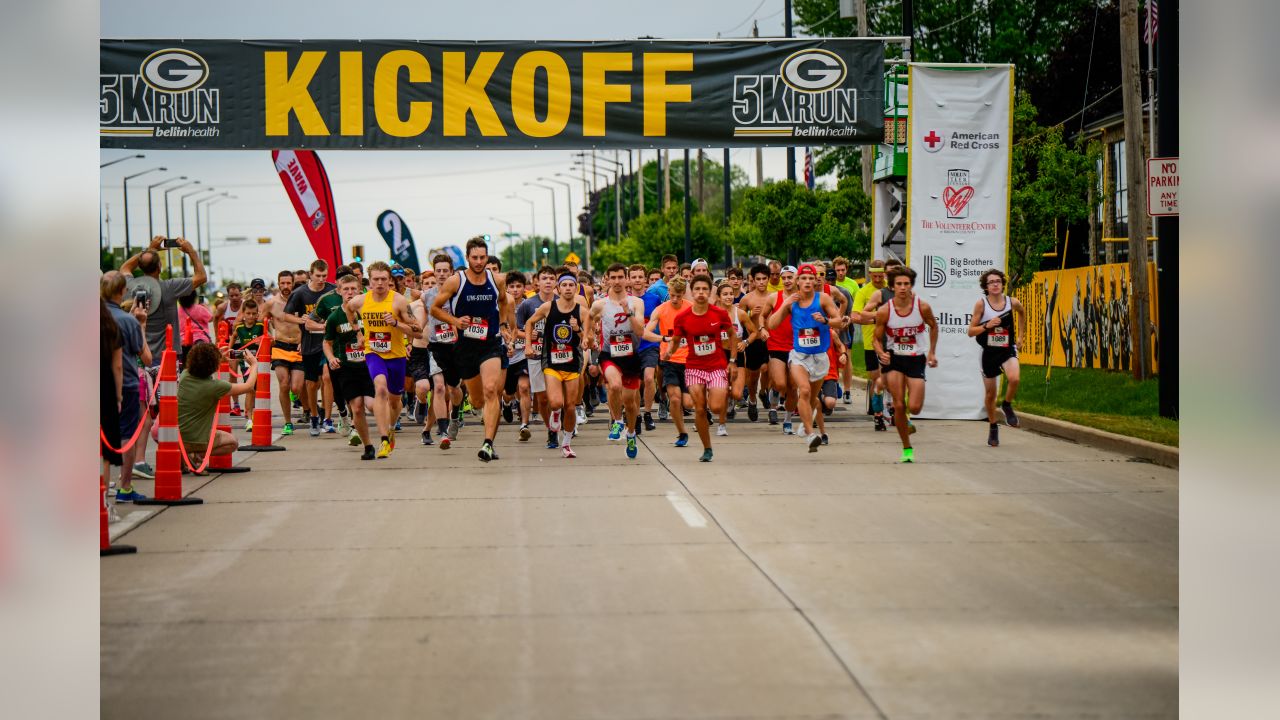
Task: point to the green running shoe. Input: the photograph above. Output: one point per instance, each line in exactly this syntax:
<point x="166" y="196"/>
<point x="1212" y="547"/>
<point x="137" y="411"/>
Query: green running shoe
<point x="908" y="455"/>
<point x="631" y="447"/>
<point x="287" y="429"/>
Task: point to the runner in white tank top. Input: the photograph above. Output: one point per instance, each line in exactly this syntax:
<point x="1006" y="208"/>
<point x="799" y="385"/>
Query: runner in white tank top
<point x="899" y="345"/>
<point x="994" y="329"/>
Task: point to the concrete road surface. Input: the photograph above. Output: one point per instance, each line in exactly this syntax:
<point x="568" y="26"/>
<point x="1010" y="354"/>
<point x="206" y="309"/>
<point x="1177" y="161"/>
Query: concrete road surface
<point x="1038" y="579"/>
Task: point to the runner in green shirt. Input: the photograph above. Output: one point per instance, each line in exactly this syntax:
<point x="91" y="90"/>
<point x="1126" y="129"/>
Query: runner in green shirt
<point x="344" y="350"/>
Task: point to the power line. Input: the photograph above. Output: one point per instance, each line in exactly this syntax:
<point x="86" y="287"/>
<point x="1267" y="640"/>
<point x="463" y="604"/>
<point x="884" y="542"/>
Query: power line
<point x="930" y="31"/>
<point x="747" y="20"/>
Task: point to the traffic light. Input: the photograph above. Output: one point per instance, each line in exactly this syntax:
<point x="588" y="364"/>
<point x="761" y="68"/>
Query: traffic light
<point x="486" y="238"/>
<point x="546" y="247"/>
<point x="357" y="253"/>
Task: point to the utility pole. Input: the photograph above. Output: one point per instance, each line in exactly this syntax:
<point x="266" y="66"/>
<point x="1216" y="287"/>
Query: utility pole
<point x="755" y="32"/>
<point x="728" y="210"/>
<point x="666" y="179"/>
<point x="688" y="237"/>
<point x="640" y="162"/>
<point x="868" y="151"/>
<point x="702" y="196"/>
<point x="1136" y="174"/>
<point x="1167" y="262"/>
<point x="791" y="151"/>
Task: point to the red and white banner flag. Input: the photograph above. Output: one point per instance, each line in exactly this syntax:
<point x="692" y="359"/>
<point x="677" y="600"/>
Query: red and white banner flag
<point x="307" y="186"/>
<point x="957" y="213"/>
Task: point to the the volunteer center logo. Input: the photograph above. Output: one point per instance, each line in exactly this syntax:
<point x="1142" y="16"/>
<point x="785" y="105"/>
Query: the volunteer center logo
<point x="957" y="194"/>
<point x="935" y="271"/>
<point x="804" y="99"/>
<point x="167" y="97"/>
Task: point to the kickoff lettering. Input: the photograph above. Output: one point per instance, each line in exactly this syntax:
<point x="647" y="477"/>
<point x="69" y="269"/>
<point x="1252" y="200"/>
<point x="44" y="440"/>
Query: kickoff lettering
<point x="464" y="96"/>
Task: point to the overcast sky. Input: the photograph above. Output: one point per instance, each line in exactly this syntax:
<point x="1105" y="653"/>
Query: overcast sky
<point x="444" y="197"/>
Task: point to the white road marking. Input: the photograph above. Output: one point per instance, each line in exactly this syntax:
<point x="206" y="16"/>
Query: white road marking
<point x="687" y="511"/>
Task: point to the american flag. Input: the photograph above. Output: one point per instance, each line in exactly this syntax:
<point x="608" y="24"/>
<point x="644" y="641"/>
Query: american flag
<point x="808" y="169"/>
<point x="1153" y="20"/>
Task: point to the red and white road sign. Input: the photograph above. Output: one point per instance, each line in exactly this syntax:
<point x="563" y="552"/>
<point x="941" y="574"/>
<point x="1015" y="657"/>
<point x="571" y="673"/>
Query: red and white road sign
<point x="1162" y="186"/>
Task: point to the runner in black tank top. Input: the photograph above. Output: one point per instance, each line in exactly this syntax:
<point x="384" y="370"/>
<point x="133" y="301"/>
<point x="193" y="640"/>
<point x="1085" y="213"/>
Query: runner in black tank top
<point x="997" y="330"/>
<point x="566" y="324"/>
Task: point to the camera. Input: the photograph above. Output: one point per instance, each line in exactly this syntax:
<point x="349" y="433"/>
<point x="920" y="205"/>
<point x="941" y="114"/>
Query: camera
<point x="140" y="297"/>
<point x="171" y="243"/>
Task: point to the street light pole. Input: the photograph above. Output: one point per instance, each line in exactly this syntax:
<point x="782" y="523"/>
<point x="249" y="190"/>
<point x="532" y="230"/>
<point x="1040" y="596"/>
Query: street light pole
<point x="208" y="223"/>
<point x="510" y="259"/>
<point x="533" y="227"/>
<point x="120" y="160"/>
<point x="125" y="184"/>
<point x="169" y="252"/>
<point x="568" y="205"/>
<point x="151" y="231"/>
<point x="182" y="205"/>
<point x="199" y="245"/>
<point x="555" y="234"/>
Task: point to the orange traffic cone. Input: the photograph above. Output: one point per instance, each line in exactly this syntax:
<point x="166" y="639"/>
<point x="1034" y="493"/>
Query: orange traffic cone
<point x="262" y="400"/>
<point x="168" y="450"/>
<point x="222" y="463"/>
<point x="104" y="540"/>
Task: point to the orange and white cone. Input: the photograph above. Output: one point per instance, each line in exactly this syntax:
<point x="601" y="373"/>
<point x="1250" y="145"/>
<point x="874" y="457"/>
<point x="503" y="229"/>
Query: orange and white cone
<point x="168" y="449"/>
<point x="261" y="438"/>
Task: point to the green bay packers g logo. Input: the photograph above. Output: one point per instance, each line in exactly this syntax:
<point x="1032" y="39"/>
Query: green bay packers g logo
<point x="174" y="70"/>
<point x="813" y="71"/>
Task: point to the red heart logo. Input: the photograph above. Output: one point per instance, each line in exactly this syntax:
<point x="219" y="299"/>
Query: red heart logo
<point x="955" y="200"/>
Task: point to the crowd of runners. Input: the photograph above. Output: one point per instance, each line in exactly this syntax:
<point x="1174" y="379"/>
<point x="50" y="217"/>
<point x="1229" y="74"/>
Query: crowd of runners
<point x="552" y="350"/>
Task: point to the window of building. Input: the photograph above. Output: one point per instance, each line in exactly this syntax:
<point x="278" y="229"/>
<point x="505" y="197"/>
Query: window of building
<point x="1119" y="191"/>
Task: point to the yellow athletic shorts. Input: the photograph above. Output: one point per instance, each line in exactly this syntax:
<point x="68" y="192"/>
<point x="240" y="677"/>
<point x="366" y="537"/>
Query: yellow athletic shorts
<point x="561" y="375"/>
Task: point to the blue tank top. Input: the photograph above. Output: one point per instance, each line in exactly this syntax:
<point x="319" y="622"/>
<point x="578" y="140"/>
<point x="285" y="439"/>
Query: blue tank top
<point x="481" y="303"/>
<point x="809" y="336"/>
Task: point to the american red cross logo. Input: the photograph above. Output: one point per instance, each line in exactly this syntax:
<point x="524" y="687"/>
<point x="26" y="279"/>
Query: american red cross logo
<point x="932" y="141"/>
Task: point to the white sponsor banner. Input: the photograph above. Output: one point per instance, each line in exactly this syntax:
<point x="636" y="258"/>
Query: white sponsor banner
<point x="287" y="162"/>
<point x="957" y="213"/>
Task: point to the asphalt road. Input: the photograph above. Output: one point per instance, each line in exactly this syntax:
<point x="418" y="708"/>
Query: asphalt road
<point x="1037" y="579"/>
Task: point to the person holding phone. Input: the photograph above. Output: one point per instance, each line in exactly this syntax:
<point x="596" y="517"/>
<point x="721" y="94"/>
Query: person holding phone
<point x="161" y="296"/>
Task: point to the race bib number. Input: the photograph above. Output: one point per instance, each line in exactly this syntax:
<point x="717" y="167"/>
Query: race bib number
<point x="724" y="336"/>
<point x="704" y="346"/>
<point x="904" y="345"/>
<point x="808" y="338"/>
<point x="444" y="334"/>
<point x="519" y="345"/>
<point x="535" y="348"/>
<point x="561" y="354"/>
<point x="355" y="352"/>
<point x="621" y="346"/>
<point x="380" y="342"/>
<point x="477" y="330"/>
<point x="998" y="338"/>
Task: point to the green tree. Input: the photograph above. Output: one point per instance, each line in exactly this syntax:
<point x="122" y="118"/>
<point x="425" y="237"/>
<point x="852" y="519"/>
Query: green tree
<point x="656" y="234"/>
<point x="817" y="223"/>
<point x="1050" y="183"/>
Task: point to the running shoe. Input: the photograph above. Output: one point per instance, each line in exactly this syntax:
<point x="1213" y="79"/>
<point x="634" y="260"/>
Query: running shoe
<point x="993" y="435"/>
<point x="129" y="495"/>
<point x="662" y="413"/>
<point x="733" y="412"/>
<point x="722" y="430"/>
<point x="825" y="440"/>
<point x="706" y="456"/>
<point x="773" y="416"/>
<point x="524" y="433"/>
<point x="753" y="412"/>
<point x="353" y="439"/>
<point x="384" y="450"/>
<point x="787" y="428"/>
<point x="552" y="442"/>
<point x="682" y="439"/>
<point x="631" y="447"/>
<point x="368" y="453"/>
<point x="908" y="455"/>
<point x="248" y="427"/>
<point x="486" y="451"/>
<point x="455" y="424"/>
<point x="287" y="429"/>
<point x="880" y="426"/>
<point x="553" y="423"/>
<point x="409" y="403"/>
<point x="1009" y="416"/>
<point x="814" y="441"/>
<point x="615" y="430"/>
<point x="568" y="451"/>
<point x="426" y="438"/>
<point x="393" y="439"/>
<point x="911" y="428"/>
<point x="582" y="415"/>
<point x="236" y="411"/>
<point x="506" y="412"/>
<point x="397" y="423"/>
<point x="420" y="412"/>
<point x="144" y="471"/>
<point x="848" y="398"/>
<point x="445" y="442"/>
<point x="328" y="427"/>
<point x="344" y="427"/>
<point x="314" y="430"/>
<point x="649" y="424"/>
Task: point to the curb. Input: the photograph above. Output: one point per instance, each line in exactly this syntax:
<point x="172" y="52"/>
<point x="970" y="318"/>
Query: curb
<point x="1155" y="452"/>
